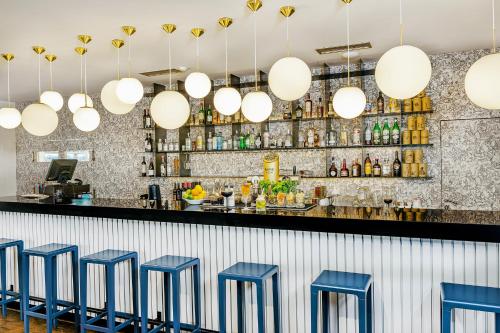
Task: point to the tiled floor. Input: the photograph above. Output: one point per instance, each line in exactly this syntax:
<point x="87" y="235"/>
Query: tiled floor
<point x="12" y="324"/>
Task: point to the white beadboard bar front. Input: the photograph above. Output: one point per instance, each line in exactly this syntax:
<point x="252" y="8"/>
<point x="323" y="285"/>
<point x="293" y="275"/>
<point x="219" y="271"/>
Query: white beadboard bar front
<point x="406" y="271"/>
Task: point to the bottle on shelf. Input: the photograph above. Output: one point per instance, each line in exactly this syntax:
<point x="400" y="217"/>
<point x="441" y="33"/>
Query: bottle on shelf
<point x="368" y="135"/>
<point x="144" y="119"/>
<point x="188" y="142"/>
<point x="242" y="141"/>
<point x="148" y="143"/>
<point x="356" y="168"/>
<point x="377" y="170"/>
<point x="386" y="168"/>
<point x="151" y="168"/>
<point x="320" y="113"/>
<point x="308" y="106"/>
<point x="251" y="139"/>
<point x="333" y="169"/>
<point x="236" y="141"/>
<point x="201" y="115"/>
<point x="159" y="146"/>
<point x="301" y="139"/>
<point x="265" y="138"/>
<point x="209" y="120"/>
<point x="209" y="141"/>
<point x="396" y="133"/>
<point x="368" y="166"/>
<point x="247" y="140"/>
<point x="144" y="171"/>
<point x="396" y="166"/>
<point x="344" y="138"/>
<point x="356" y="136"/>
<point x="199" y="142"/>
<point x="258" y="141"/>
<point x="332" y="137"/>
<point x="298" y="112"/>
<point x="287" y="114"/>
<point x="219" y="141"/>
<point x="377" y="134"/>
<point x="163" y="167"/>
<point x="174" y="192"/>
<point x="380" y="103"/>
<point x="331" y="112"/>
<point x="386" y="133"/>
<point x="344" y="172"/>
<point x="288" y="139"/>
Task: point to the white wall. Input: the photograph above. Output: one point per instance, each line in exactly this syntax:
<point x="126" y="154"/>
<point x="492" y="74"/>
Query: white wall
<point x="7" y="162"/>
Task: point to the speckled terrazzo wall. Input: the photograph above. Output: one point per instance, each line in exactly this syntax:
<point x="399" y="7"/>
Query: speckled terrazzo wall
<point x="464" y="161"/>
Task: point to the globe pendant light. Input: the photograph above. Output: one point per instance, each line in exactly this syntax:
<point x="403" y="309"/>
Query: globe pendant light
<point x="51" y="97"/>
<point x="39" y="119"/>
<point x="482" y="81"/>
<point x="86" y="118"/>
<point x="227" y="100"/>
<point x="109" y="98"/>
<point x="256" y="106"/>
<point x="403" y="71"/>
<point x="198" y="84"/>
<point x="10" y="117"/>
<point x="170" y="109"/>
<point x="289" y="77"/>
<point x="349" y="102"/>
<point x="80" y="99"/>
<point x="129" y="90"/>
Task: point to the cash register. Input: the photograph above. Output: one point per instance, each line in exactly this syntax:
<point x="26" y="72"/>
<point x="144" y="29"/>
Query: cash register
<point x="59" y="183"/>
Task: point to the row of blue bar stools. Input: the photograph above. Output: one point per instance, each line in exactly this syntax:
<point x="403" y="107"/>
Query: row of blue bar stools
<point x="253" y="273"/>
<point x="49" y="254"/>
<point x="359" y="285"/>
<point x="460" y="296"/>
<point x="171" y="267"/>
<point x="9" y="296"/>
<point x="109" y="258"/>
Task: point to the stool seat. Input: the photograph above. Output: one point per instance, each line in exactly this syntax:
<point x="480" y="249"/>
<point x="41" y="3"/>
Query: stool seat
<point x="51" y="249"/>
<point x="249" y="271"/>
<point x="170" y="263"/>
<point x="465" y="296"/>
<point x="346" y="281"/>
<point x="108" y="256"/>
<point x="6" y="242"/>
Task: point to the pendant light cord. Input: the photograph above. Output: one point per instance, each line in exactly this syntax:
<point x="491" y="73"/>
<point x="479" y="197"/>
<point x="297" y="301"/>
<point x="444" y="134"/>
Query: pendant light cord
<point x="401" y="22"/>
<point x="169" y="63"/>
<point x="255" y="48"/>
<point x="8" y="83"/>
<point x="129" y="56"/>
<point x="197" y="54"/>
<point x="51" y="81"/>
<point x="39" y="77"/>
<point x="227" y="76"/>
<point x="118" y="63"/>
<point x="494" y="28"/>
<point x="287" y="37"/>
<point x="85" y="77"/>
<point x="81" y="73"/>
<point x="348" y="49"/>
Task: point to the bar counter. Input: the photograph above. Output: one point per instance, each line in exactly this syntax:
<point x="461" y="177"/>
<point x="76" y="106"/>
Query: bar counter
<point x="408" y="259"/>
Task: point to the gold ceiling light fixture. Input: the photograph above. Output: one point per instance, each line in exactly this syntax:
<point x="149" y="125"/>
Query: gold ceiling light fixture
<point x="482" y="81"/>
<point x="129" y="90"/>
<point x="38" y="118"/>
<point x="170" y="109"/>
<point x="109" y="98"/>
<point x="77" y="100"/>
<point x="290" y="77"/>
<point x="349" y="102"/>
<point x="85" y="118"/>
<point x="198" y="84"/>
<point x="256" y="105"/>
<point x="10" y="117"/>
<point x="227" y="100"/>
<point x="403" y="71"/>
<point x="51" y="97"/>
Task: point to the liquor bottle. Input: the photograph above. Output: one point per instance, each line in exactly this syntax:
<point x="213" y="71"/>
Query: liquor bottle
<point x="377" y="134"/>
<point x="301" y="139"/>
<point x="386" y="133"/>
<point x="265" y="138"/>
<point x="247" y="140"/>
<point x="288" y="139"/>
<point x="159" y="146"/>
<point x="188" y="142"/>
<point x="368" y="166"/>
<point x="214" y="141"/>
<point x="298" y="112"/>
<point x="333" y="169"/>
<point x="320" y="109"/>
<point x="287" y="114"/>
<point x="163" y="167"/>
<point x="380" y="103"/>
<point x="309" y="106"/>
<point x="149" y="121"/>
<point x="258" y="141"/>
<point x="201" y="115"/>
<point x="174" y="192"/>
<point x="356" y="168"/>
<point x="209" y="141"/>
<point x="332" y="137"/>
<point x="148" y="147"/>
<point x="219" y="141"/>
<point x="386" y="168"/>
<point x="144" y="117"/>
<point x="199" y="142"/>
<point x="396" y="133"/>
<point x="143" y="167"/>
<point x="236" y="141"/>
<point x="151" y="169"/>
<point x="356" y="136"/>
<point x="344" y="139"/>
<point x="377" y="170"/>
<point x="396" y="166"/>
<point x="368" y="134"/>
<point x="178" y="193"/>
<point x="331" y="112"/>
<point x="251" y="139"/>
<point x="344" y="172"/>
<point x="209" y="119"/>
<point x="242" y="141"/>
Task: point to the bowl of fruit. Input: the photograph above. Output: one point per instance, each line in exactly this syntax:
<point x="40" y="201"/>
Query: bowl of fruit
<point x="194" y="196"/>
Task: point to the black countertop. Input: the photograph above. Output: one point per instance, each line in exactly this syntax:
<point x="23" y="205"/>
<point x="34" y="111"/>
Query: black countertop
<point x="481" y="226"/>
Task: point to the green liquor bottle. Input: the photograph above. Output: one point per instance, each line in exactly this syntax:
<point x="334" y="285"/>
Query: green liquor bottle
<point x="242" y="141"/>
<point x="386" y="133"/>
<point x="377" y="134"/>
<point x="396" y="133"/>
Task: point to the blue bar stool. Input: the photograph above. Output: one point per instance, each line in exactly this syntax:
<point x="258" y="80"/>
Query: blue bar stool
<point x="254" y="273"/>
<point x="171" y="266"/>
<point x="109" y="258"/>
<point x="5" y="293"/>
<point x="49" y="253"/>
<point x="356" y="284"/>
<point x="461" y="296"/>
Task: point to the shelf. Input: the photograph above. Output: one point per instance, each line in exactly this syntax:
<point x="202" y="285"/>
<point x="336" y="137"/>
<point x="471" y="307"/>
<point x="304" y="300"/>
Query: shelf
<point x="309" y="178"/>
<point x="146" y="129"/>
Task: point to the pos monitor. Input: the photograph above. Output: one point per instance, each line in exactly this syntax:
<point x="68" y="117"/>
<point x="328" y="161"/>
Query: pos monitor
<point x="61" y="170"/>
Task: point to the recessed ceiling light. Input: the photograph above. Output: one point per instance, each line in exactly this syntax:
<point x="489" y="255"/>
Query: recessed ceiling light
<point x="162" y="72"/>
<point x="343" y="48"/>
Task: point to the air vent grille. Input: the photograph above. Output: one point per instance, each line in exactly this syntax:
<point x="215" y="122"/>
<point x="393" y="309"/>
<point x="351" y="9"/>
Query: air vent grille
<point x="343" y="48"/>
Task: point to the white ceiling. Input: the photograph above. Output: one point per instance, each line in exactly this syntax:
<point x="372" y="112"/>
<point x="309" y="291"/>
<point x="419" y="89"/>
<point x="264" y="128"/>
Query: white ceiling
<point x="434" y="25"/>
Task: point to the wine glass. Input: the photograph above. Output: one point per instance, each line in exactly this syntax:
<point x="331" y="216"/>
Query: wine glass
<point x="387" y="195"/>
<point x="226" y="193"/>
<point x="245" y="194"/>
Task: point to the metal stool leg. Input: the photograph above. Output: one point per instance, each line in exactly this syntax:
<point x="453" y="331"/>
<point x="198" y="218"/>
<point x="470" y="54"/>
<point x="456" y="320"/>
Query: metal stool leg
<point x="48" y="292"/>
<point x="261" y="318"/>
<point x="222" y="305"/>
<point x="54" y="288"/>
<point x="20" y="249"/>
<point x="76" y="292"/>
<point x="135" y="294"/>
<point x="176" y="301"/>
<point x="144" y="300"/>
<point x="362" y="314"/>
<point x="497" y="322"/>
<point x="83" y="297"/>
<point x="369" y="307"/>
<point x="197" y="296"/>
<point x="276" y="302"/>
<point x="110" y="296"/>
<point x="325" y="310"/>
<point x="3" y="282"/>
<point x="314" y="310"/>
<point x="240" y="301"/>
<point x="26" y="291"/>
<point x="446" y="313"/>
<point x="168" y="300"/>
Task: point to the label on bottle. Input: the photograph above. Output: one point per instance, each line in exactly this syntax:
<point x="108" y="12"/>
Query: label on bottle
<point x="376" y="171"/>
<point x="386" y="136"/>
<point x="344" y="173"/>
<point x="143" y="169"/>
<point x="151" y="172"/>
<point x="163" y="171"/>
<point x="368" y="137"/>
<point x="356" y="137"/>
<point x="333" y="172"/>
<point x="395" y="137"/>
<point x="148" y="122"/>
<point x="376" y="138"/>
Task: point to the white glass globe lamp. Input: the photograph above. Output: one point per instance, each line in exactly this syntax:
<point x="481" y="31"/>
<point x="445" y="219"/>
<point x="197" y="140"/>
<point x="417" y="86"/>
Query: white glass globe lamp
<point x="129" y="90"/>
<point x="170" y="109"/>
<point x="227" y="101"/>
<point x="77" y="101"/>
<point x="86" y="119"/>
<point x="110" y="100"/>
<point x="52" y="99"/>
<point x="349" y="102"/>
<point x="257" y="106"/>
<point x="10" y="118"/>
<point x="482" y="82"/>
<point x="39" y="119"/>
<point x="198" y="85"/>
<point x="290" y="78"/>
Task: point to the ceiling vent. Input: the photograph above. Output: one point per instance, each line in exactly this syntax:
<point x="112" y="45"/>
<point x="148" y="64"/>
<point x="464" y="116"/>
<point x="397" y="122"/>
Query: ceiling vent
<point x="343" y="48"/>
<point x="163" y="72"/>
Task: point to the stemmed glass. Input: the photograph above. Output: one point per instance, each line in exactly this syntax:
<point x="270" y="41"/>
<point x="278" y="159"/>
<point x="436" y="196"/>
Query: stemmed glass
<point x="387" y="195"/>
<point x="245" y="194"/>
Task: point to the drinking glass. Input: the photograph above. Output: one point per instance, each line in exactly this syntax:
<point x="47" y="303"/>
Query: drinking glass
<point x="245" y="194"/>
<point x="387" y="195"/>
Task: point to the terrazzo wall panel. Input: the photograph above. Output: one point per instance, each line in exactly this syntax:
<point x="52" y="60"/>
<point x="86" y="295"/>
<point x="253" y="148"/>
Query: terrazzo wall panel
<point x="463" y="161"/>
